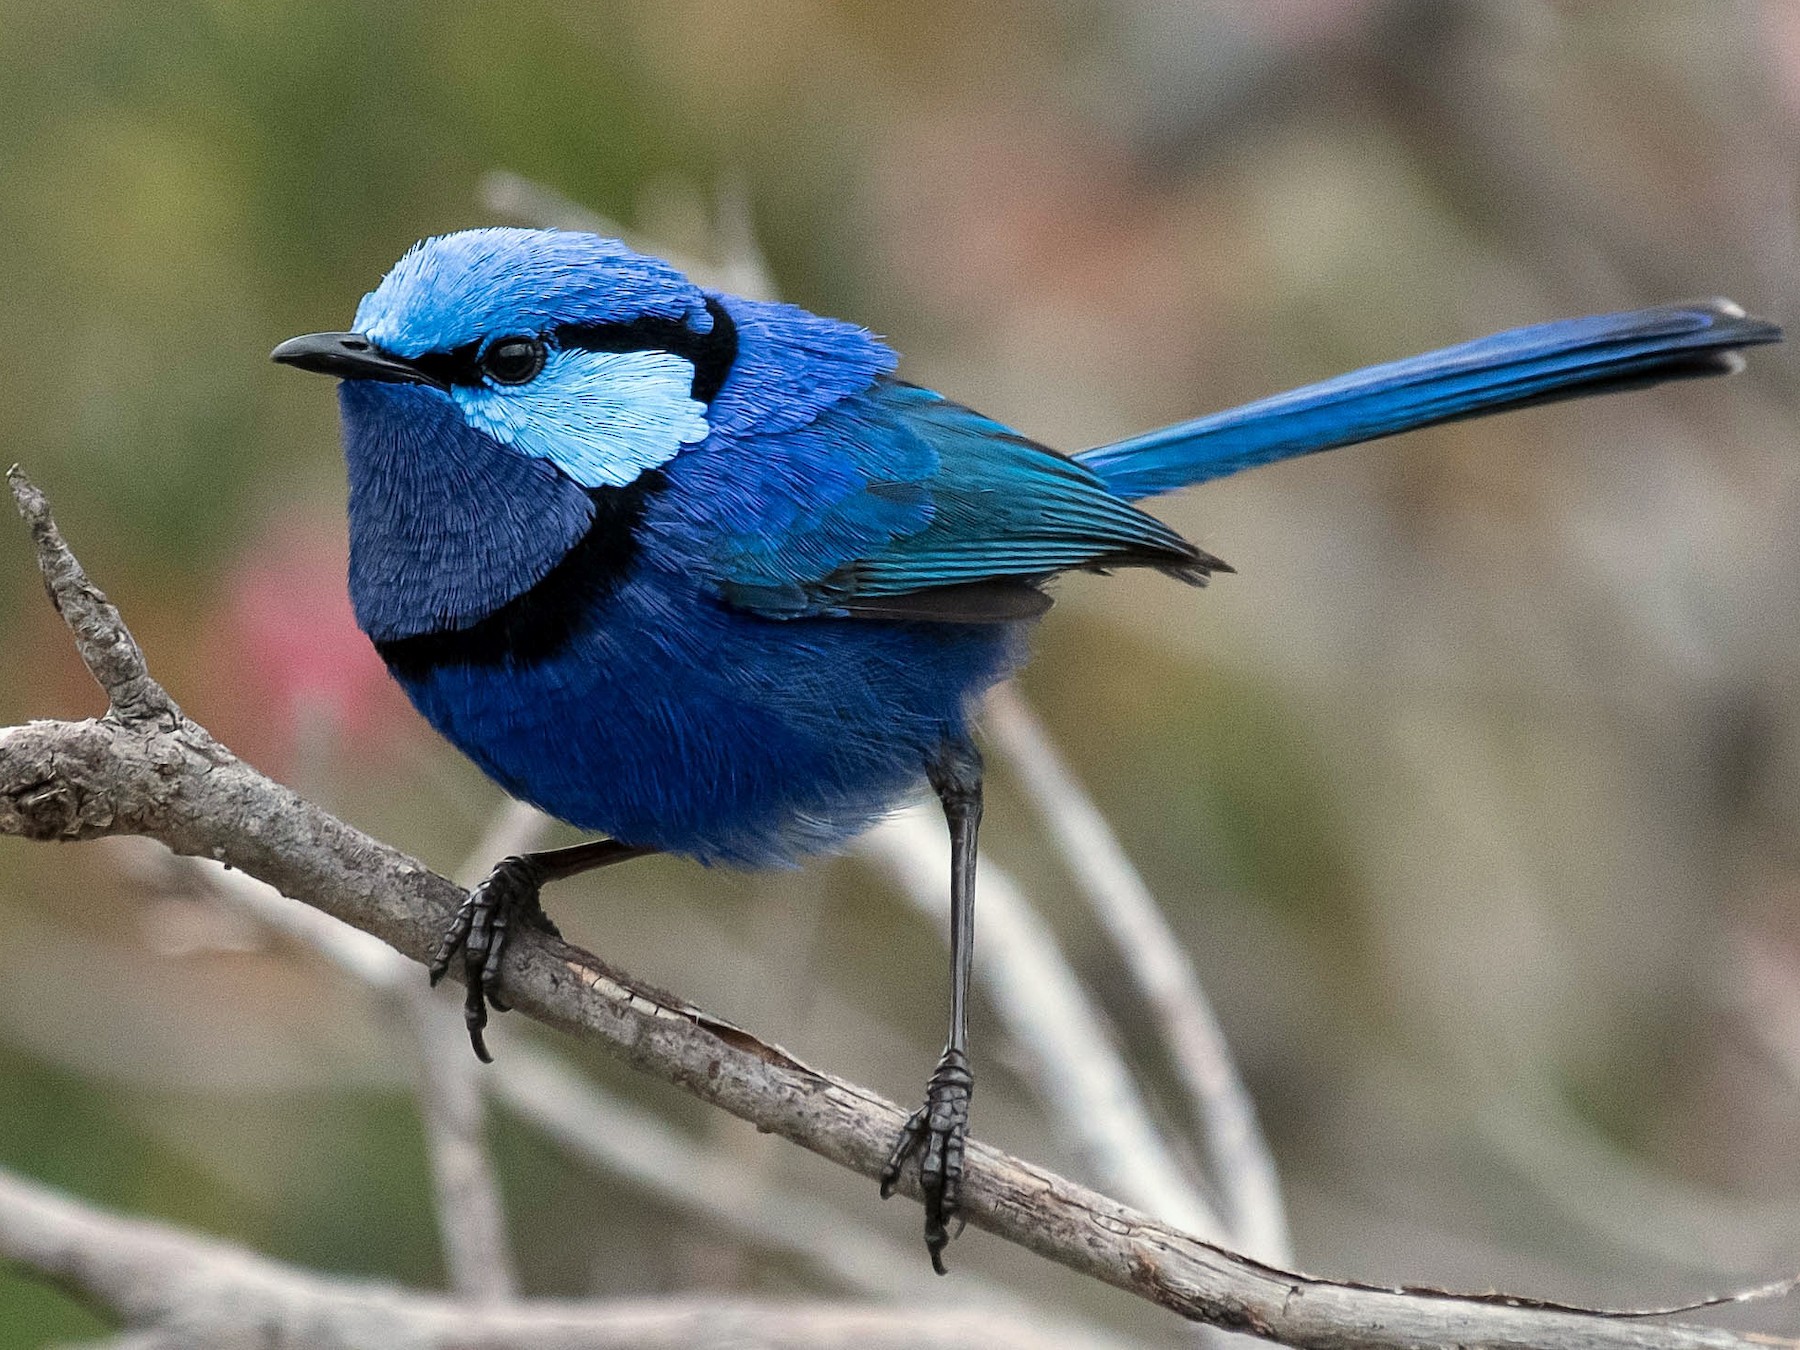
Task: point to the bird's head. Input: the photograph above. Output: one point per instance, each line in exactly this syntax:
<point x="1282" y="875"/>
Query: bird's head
<point x="506" y="391"/>
<point x="497" y="385"/>
<point x="563" y="347"/>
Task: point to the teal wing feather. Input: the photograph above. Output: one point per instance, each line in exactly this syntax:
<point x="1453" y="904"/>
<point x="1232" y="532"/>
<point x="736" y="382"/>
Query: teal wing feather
<point x="897" y="503"/>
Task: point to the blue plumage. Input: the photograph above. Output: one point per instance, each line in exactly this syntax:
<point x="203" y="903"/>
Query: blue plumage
<point x="891" y="491"/>
<point x="467" y="288"/>
<point x="700" y="573"/>
<point x="1572" y="358"/>
<point x="813" y="486"/>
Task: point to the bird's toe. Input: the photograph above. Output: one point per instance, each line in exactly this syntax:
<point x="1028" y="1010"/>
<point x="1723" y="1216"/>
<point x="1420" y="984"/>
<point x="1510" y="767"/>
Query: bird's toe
<point x="938" y="1134"/>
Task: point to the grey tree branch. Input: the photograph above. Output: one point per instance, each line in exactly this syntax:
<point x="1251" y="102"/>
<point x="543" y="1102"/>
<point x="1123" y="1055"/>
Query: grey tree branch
<point x="471" y="1216"/>
<point x="179" y="1291"/>
<point x="738" y="265"/>
<point x="596" y="1127"/>
<point x="1241" y="1163"/>
<point x="145" y="769"/>
<point x="628" y="1141"/>
<point x="106" y="646"/>
<point x="466" y="1195"/>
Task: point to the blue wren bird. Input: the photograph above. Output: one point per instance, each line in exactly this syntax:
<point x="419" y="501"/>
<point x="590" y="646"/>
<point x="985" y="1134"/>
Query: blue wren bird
<point x="701" y="575"/>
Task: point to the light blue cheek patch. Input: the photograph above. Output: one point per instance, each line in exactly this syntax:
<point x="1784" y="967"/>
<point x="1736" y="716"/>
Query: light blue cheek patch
<point x="603" y="418"/>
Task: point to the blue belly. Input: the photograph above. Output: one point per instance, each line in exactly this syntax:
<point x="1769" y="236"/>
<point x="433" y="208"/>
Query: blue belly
<point x="669" y="721"/>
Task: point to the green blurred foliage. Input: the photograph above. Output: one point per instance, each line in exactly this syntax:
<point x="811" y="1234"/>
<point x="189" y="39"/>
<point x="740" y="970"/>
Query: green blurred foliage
<point x="189" y="182"/>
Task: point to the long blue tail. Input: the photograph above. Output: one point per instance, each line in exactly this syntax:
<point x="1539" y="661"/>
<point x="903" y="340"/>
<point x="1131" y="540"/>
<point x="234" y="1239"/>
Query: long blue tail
<point x="1572" y="358"/>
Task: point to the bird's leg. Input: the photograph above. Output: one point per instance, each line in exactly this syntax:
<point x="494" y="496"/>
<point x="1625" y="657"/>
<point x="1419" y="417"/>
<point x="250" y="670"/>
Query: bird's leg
<point x="939" y="1130"/>
<point x="507" y="898"/>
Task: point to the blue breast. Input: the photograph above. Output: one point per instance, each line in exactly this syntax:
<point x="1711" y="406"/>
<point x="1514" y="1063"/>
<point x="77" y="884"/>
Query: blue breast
<point x="667" y="720"/>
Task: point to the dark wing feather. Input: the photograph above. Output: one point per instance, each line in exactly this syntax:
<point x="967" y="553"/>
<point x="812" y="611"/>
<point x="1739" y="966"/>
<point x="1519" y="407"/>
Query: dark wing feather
<point x="999" y="601"/>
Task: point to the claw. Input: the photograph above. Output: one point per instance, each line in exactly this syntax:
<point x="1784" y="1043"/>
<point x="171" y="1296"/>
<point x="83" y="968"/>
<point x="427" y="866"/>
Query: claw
<point x="479" y="932"/>
<point x="938" y="1132"/>
<point x="910" y="1135"/>
<point x="454" y="937"/>
<point x="475" y="1018"/>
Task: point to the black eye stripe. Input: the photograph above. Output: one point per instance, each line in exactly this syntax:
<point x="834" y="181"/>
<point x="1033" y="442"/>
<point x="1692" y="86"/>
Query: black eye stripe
<point x="711" y="353"/>
<point x="459" y="366"/>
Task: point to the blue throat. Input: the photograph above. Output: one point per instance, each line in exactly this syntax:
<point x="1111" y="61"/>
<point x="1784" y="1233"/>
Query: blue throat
<point x="446" y="524"/>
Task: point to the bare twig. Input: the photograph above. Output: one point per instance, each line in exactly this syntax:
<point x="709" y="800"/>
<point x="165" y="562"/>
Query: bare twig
<point x="630" y="1142"/>
<point x="471" y="1215"/>
<point x="1603" y="1190"/>
<point x="471" y="1220"/>
<point x="177" y="1289"/>
<point x="626" y="1141"/>
<point x="85" y="780"/>
<point x="1241" y="1164"/>
<point x="619" y="1138"/>
<point x="1072" y="1062"/>
<point x="739" y="267"/>
<point x="465" y="1192"/>
<point x="515" y="827"/>
<point x="742" y="268"/>
<point x="107" y="649"/>
<point x="1762" y="983"/>
<point x="524" y="199"/>
<point x="602" y="1130"/>
<point x="593" y="1125"/>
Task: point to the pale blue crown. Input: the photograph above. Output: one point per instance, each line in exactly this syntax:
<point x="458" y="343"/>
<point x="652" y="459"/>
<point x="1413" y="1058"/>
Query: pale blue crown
<point x="460" y="288"/>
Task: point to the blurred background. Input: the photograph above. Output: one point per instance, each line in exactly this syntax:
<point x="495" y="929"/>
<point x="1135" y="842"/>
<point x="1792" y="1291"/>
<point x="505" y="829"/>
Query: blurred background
<point x="1473" y="796"/>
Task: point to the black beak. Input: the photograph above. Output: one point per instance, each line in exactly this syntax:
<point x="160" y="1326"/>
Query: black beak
<point x="350" y="356"/>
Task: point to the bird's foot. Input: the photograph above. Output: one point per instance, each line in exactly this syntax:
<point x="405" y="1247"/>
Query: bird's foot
<point x="479" y="931"/>
<point x="938" y="1132"/>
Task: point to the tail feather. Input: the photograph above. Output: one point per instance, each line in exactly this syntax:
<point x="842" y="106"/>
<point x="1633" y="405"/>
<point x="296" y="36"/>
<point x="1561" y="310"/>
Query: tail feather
<point x="1572" y="358"/>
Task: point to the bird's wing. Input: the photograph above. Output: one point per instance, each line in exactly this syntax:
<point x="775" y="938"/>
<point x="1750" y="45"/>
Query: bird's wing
<point x="897" y="503"/>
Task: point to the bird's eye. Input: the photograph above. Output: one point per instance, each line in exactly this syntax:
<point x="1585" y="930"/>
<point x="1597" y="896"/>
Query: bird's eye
<point x="514" y="360"/>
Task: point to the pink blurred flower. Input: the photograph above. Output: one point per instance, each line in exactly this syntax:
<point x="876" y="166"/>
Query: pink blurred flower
<point x="292" y="673"/>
